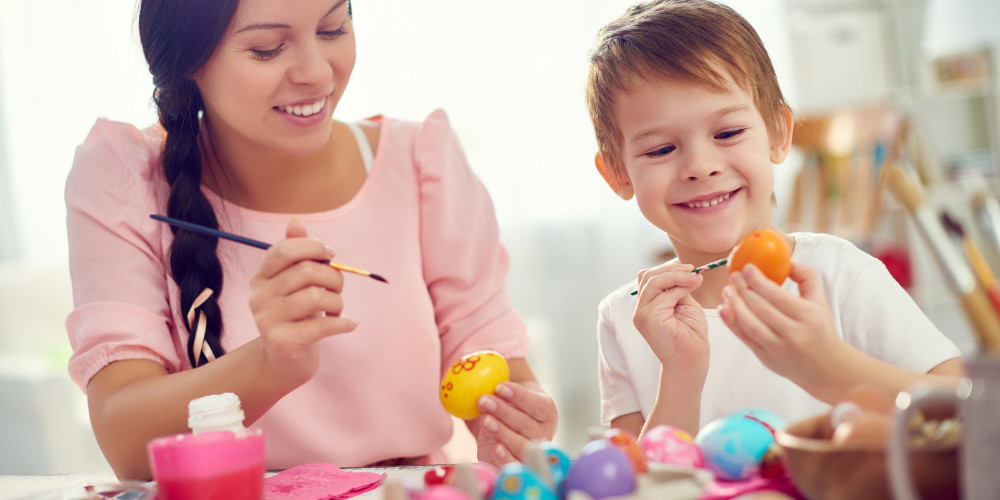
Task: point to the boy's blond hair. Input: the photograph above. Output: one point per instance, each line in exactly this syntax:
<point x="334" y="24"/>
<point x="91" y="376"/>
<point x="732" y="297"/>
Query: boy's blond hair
<point x="691" y="41"/>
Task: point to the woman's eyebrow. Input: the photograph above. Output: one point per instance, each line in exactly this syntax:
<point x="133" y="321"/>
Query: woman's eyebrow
<point x="268" y="26"/>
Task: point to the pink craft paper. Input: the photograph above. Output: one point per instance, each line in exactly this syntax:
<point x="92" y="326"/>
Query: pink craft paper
<point x="722" y="490"/>
<point x="319" y="481"/>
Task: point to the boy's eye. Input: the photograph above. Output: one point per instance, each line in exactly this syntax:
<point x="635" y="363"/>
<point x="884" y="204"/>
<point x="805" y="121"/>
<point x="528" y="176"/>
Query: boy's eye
<point x="663" y="151"/>
<point x="729" y="134"/>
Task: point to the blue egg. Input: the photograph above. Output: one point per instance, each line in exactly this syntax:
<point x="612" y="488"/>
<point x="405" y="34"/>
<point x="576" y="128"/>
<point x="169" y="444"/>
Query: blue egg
<point x="767" y="416"/>
<point x="559" y="463"/>
<point x="734" y="446"/>
<point x="601" y="471"/>
<point x="517" y="482"/>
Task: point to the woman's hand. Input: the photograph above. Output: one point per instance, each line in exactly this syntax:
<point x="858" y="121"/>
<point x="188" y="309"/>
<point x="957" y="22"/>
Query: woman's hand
<point x="793" y="336"/>
<point x="295" y="299"/>
<point x="670" y="320"/>
<point x="519" y="411"/>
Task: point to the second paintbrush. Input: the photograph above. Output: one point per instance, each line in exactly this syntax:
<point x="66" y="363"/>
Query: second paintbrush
<point x="254" y="243"/>
<point x="699" y="270"/>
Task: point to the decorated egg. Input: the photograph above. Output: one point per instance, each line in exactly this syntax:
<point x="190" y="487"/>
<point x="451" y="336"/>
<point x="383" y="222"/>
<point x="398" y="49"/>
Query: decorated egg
<point x="470" y="378"/>
<point x="601" y="471"/>
<point x="734" y="446"/>
<point x="625" y="441"/>
<point x="670" y="445"/>
<point x="483" y="473"/>
<point x="442" y="492"/>
<point x="559" y="464"/>
<point x="766" y="417"/>
<point x="518" y="482"/>
<point x="765" y="249"/>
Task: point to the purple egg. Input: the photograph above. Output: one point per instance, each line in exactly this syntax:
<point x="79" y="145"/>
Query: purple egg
<point x="601" y="471"/>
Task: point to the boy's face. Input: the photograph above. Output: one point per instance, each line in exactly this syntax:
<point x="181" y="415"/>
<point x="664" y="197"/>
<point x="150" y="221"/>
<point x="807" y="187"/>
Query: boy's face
<point x="698" y="162"/>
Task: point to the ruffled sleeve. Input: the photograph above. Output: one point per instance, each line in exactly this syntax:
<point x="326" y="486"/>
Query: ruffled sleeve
<point x="465" y="264"/>
<point x="116" y="252"/>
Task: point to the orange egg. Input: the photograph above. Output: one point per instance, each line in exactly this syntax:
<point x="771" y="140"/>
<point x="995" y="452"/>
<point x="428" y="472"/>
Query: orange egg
<point x="765" y="249"/>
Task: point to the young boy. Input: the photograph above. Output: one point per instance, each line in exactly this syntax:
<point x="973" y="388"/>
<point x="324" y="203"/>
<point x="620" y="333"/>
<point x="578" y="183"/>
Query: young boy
<point x="689" y="119"/>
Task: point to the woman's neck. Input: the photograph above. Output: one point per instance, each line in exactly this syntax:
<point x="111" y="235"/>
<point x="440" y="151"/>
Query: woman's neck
<point x="268" y="180"/>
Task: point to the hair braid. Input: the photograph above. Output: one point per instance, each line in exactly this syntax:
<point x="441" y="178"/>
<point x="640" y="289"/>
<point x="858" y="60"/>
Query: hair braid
<point x="178" y="38"/>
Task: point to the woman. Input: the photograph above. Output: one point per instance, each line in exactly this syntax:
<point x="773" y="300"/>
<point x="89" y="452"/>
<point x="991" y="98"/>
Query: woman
<point x="333" y="369"/>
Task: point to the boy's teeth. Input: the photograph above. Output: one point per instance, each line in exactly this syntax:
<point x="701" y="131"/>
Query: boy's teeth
<point x="708" y="203"/>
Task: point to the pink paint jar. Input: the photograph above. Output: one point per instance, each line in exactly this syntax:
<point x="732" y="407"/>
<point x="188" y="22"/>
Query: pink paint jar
<point x="211" y="465"/>
<point x="220" y="459"/>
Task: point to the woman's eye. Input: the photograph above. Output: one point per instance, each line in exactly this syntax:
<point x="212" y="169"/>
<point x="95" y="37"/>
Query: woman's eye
<point x="665" y="150"/>
<point x="332" y="34"/>
<point x="265" y="54"/>
<point x="729" y="134"/>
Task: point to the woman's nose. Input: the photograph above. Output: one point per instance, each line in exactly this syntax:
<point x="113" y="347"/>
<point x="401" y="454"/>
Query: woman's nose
<point x="311" y="66"/>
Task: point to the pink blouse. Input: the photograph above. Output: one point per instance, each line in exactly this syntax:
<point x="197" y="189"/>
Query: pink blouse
<point x="422" y="219"/>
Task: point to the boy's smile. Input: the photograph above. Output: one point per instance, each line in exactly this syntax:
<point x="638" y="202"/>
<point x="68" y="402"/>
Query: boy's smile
<point x="698" y="162"/>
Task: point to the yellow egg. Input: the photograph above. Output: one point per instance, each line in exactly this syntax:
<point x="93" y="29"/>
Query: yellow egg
<point x="469" y="378"/>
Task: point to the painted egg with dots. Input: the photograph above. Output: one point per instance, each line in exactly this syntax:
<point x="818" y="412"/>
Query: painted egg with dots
<point x="767" y="250"/>
<point x="468" y="379"/>
<point x="518" y="482"/>
<point x="665" y="444"/>
<point x="601" y="471"/>
<point x="733" y="447"/>
<point x="558" y="462"/>
<point x="626" y="442"/>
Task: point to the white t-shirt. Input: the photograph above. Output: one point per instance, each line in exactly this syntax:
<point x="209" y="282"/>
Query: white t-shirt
<point x="872" y="312"/>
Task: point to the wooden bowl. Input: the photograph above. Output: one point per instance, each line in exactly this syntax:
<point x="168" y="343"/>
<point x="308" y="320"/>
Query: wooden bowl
<point x="824" y="471"/>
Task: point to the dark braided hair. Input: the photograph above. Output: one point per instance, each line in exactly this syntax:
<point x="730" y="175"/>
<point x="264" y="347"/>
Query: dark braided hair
<point x="178" y="38"/>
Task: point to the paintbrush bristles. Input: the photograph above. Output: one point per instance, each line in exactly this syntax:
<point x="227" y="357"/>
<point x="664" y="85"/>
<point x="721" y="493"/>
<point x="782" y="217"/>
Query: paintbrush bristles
<point x="905" y="191"/>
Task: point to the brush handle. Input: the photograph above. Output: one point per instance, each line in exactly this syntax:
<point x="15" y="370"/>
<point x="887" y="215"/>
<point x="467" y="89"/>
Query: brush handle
<point x="210" y="232"/>
<point x="983" y="318"/>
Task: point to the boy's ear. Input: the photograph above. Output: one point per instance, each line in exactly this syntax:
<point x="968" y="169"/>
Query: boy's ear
<point x="621" y="187"/>
<point x="781" y="145"/>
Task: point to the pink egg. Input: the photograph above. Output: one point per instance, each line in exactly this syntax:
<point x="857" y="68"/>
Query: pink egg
<point x="670" y="445"/>
<point x="442" y="492"/>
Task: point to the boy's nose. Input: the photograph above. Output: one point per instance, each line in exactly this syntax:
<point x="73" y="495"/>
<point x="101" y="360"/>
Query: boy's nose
<point x="700" y="163"/>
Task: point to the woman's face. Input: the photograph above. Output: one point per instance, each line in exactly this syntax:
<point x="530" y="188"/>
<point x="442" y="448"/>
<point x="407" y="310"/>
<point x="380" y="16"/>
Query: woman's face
<point x="278" y="73"/>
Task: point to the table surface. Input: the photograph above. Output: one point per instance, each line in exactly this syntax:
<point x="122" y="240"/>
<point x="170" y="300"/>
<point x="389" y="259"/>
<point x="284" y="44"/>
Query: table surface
<point x="58" y="486"/>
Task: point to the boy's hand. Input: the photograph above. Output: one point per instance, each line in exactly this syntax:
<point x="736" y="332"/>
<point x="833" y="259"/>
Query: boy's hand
<point x="512" y="416"/>
<point x="793" y="336"/>
<point x="670" y="320"/>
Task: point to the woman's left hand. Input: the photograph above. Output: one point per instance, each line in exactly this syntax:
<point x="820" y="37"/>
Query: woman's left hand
<point x="512" y="416"/>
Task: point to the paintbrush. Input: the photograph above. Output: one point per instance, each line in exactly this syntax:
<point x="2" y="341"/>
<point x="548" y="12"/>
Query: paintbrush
<point x="983" y="318"/>
<point x="976" y="259"/>
<point x="254" y="243"/>
<point x="699" y="270"/>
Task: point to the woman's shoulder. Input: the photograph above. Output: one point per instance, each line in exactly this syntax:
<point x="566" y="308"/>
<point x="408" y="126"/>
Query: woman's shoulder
<point x="433" y="128"/>
<point x="112" y="144"/>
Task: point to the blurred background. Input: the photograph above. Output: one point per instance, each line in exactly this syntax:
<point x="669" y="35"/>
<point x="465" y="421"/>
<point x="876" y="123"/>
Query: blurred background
<point x="862" y="74"/>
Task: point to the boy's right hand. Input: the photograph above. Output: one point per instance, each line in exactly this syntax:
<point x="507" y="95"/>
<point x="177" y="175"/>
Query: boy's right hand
<point x="295" y="299"/>
<point x="670" y="320"/>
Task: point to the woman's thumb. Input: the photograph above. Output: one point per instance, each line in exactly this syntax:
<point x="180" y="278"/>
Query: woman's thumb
<point x="295" y="229"/>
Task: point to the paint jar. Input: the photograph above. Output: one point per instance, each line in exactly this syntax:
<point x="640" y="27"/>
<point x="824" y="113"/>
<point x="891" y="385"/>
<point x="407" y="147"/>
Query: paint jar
<point x="219" y="460"/>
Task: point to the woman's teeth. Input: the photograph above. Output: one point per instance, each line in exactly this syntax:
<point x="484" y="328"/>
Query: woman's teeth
<point x="305" y="109"/>
<point x="708" y="203"/>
